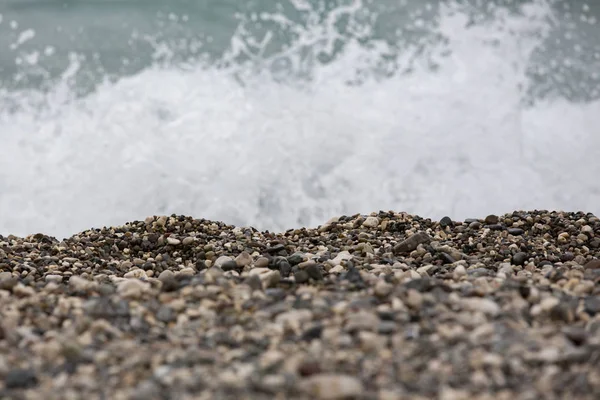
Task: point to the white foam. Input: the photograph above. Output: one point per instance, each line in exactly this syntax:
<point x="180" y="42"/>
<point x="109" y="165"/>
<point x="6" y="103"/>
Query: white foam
<point x="455" y="142"/>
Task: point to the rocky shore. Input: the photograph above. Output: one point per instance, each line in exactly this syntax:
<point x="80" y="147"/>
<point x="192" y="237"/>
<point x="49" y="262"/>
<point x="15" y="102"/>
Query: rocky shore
<point x="381" y="306"/>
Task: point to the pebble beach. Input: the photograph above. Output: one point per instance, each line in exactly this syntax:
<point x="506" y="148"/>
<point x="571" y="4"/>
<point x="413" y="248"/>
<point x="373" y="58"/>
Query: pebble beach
<point x="381" y="306"/>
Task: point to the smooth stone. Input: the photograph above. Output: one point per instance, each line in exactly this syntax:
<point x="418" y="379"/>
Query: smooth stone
<point x="54" y="278"/>
<point x="243" y="259"/>
<point x="229" y="265"/>
<point x="222" y="260"/>
<point x="516" y="231"/>
<point x="491" y="219"/>
<point x="475" y="225"/>
<point x="371" y="222"/>
<point x="446" y="222"/>
<point x="187" y="241"/>
<point x="519" y="258"/>
<point x="261" y="262"/>
<point x="173" y="241"/>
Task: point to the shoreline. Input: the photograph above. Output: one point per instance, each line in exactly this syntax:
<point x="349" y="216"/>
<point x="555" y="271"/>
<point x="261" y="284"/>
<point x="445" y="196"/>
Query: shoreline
<point x="381" y="306"/>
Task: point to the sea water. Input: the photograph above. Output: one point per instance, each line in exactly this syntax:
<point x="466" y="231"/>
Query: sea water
<point x="283" y="113"/>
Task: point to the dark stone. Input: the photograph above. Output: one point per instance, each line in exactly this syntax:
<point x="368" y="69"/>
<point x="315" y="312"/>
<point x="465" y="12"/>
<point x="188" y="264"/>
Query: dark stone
<point x="524" y="291"/>
<point x="312" y="333"/>
<point x="169" y="284"/>
<point x="491" y="219"/>
<point x="595" y="243"/>
<point x="314" y="271"/>
<point x="475" y="225"/>
<point x="446" y="258"/>
<point x="421" y="285"/>
<point x="353" y="276"/>
<point x="387" y="327"/>
<point x="592" y="305"/>
<point x="412" y="243"/>
<point x="254" y="282"/>
<point x="285" y="269"/>
<point x="519" y="258"/>
<point x="567" y="256"/>
<point x="516" y="231"/>
<point x="495" y="227"/>
<point x="301" y="276"/>
<point x="295" y="259"/>
<point x="593" y="264"/>
<point x="308" y="368"/>
<point x="471" y="220"/>
<point x="200" y="265"/>
<point x="230" y="265"/>
<point x="446" y="221"/>
<point x="275" y="249"/>
<point x="165" y="314"/>
<point x="20" y="379"/>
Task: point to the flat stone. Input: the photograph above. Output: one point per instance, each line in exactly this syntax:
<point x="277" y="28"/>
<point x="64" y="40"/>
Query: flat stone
<point x="412" y="243"/>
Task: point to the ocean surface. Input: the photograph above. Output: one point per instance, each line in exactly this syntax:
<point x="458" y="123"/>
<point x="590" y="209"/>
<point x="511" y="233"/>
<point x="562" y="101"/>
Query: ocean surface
<point x="284" y="113"/>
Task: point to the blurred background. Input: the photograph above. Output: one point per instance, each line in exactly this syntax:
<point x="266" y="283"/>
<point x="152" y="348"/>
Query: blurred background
<point x="283" y="113"/>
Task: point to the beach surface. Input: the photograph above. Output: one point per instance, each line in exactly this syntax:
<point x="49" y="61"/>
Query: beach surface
<point x="381" y="306"/>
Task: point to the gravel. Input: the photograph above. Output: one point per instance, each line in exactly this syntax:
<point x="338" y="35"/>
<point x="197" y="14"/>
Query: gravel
<point x="381" y="306"/>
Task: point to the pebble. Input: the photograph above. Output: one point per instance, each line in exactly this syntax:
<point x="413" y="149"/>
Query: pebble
<point x="324" y="313"/>
<point x="371" y="222"/>
<point x="519" y="258"/>
<point x="446" y="221"/>
<point x="332" y="386"/>
<point x="173" y="241"/>
<point x="412" y="243"/>
<point x="243" y="259"/>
